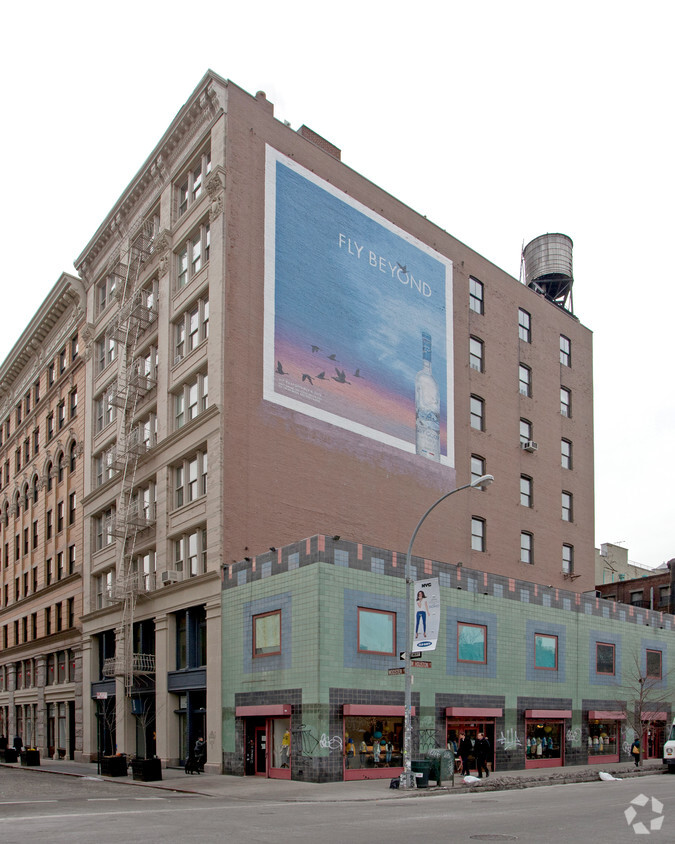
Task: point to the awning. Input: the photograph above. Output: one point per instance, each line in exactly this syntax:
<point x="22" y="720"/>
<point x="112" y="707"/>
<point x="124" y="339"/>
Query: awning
<point x="371" y="709"/>
<point x="266" y="710"/>
<point x="606" y="715"/>
<point x="548" y="713"/>
<point x="473" y="712"/>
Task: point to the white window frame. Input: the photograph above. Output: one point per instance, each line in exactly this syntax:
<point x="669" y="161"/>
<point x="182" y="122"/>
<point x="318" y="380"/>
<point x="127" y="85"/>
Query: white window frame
<point x="526" y="491"/>
<point x="524" y="380"/>
<point x="565" y="402"/>
<point x="567" y="504"/>
<point x="191" y="187"/>
<point x="190" y="478"/>
<point x="105" y="412"/>
<point x="476" y="354"/>
<point x="526" y="431"/>
<point x="478" y="468"/>
<point x="190" y="552"/>
<point x="566" y="453"/>
<point x="567" y="558"/>
<point x="476" y="295"/>
<point x="103" y="529"/>
<point x="191" y="399"/>
<point x="524" y="326"/>
<point x="565" y="350"/>
<point x="478" y="533"/>
<point x="193" y="255"/>
<point x="526" y="547"/>
<point x="191" y="328"/>
<point x="477" y="413"/>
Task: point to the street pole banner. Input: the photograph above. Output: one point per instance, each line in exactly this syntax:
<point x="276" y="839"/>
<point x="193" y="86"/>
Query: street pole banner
<point x="426" y="614"/>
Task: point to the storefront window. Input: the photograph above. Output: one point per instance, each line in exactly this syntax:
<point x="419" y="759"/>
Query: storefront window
<point x="281" y="742"/>
<point x="602" y="738"/>
<point x="372" y="742"/>
<point x="544" y="740"/>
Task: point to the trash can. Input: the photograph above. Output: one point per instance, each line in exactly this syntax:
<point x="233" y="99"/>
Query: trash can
<point x="420" y="769"/>
<point x="442" y="765"/>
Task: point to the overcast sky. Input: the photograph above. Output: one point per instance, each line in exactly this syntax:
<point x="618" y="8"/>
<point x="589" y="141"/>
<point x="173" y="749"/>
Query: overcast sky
<point x="498" y="121"/>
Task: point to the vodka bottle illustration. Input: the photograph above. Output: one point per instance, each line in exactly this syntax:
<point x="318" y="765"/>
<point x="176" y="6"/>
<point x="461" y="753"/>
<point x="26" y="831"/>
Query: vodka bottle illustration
<point x="427" y="407"/>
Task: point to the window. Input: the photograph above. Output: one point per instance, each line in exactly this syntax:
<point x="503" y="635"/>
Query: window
<point x="376" y="631"/>
<point x="191" y="329"/>
<point x="74" y="347"/>
<point x="60" y="570"/>
<point x="105" y="292"/>
<point x="477" y="534"/>
<point x="190" y="479"/>
<point x="103" y="529"/>
<point x="565" y="351"/>
<point x="567" y="506"/>
<point x="477" y="467"/>
<point x="190" y="553"/>
<point x="51" y="374"/>
<point x="35" y="535"/>
<point x="525" y="491"/>
<point x="143" y="567"/>
<point x="72" y="551"/>
<point x="72" y="459"/>
<point x="477" y="413"/>
<point x="36" y="392"/>
<point x="106" y="350"/>
<point x="524" y="321"/>
<point x="190" y="188"/>
<point x="59" y="517"/>
<point x="104" y="465"/>
<point x="476" y="354"/>
<point x="566" y="454"/>
<point x="526" y="548"/>
<point x="143" y="505"/>
<point x="72" y="508"/>
<point x="525" y="431"/>
<point x="18" y="414"/>
<point x="36" y="441"/>
<point x="654" y="664"/>
<point x="62" y="361"/>
<point x="192" y="400"/>
<point x="60" y="468"/>
<point x="568" y="559"/>
<point x="193" y="255"/>
<point x="73" y="402"/>
<point x="565" y="401"/>
<point x="476" y="295"/>
<point x="61" y="414"/>
<point x="545" y="651"/>
<point x="104" y="409"/>
<point x="524" y="380"/>
<point x="267" y="634"/>
<point x="50" y="425"/>
<point x="104" y="589"/>
<point x="471" y="642"/>
<point x="26" y="403"/>
<point x="145" y="434"/>
<point x="604" y="658"/>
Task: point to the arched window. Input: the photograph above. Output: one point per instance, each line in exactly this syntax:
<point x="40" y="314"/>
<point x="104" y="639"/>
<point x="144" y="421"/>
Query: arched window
<point x="17" y="504"/>
<point x="73" y="457"/>
<point x="36" y="488"/>
<point x="50" y="469"/>
<point x="26" y="497"/>
<point x="59" y="468"/>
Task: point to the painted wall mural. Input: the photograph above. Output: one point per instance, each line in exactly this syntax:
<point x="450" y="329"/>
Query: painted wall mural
<point x="358" y="316"/>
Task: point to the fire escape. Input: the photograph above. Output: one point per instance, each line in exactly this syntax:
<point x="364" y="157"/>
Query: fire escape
<point x="137" y="312"/>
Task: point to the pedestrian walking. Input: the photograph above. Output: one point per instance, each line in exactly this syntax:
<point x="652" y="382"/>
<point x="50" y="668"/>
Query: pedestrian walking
<point x="635" y="751"/>
<point x="482" y="751"/>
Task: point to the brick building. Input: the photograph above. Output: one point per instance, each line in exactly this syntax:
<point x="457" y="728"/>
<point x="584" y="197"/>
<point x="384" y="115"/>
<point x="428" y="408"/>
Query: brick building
<point x="42" y="403"/>
<point x="276" y="348"/>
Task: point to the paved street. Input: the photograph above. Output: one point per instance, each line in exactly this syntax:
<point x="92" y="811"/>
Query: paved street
<point x="38" y="805"/>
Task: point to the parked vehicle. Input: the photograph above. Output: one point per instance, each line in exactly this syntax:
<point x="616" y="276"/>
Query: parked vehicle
<point x="669" y="750"/>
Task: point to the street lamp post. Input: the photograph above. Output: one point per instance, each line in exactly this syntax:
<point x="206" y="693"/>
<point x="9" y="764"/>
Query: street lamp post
<point x="407" y="780"/>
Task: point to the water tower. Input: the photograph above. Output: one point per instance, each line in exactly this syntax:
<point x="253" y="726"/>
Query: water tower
<point x="547" y="262"/>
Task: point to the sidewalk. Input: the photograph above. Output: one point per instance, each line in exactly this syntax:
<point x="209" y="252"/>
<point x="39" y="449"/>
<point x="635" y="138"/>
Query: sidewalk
<point x="260" y="788"/>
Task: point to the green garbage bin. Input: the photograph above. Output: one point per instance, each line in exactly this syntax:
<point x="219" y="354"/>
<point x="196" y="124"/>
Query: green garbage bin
<point x="421" y="769"/>
<point x="442" y="765"/>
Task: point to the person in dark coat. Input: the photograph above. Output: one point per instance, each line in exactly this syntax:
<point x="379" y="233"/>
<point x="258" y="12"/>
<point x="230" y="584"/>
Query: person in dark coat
<point x="635" y="752"/>
<point x="482" y="751"/>
<point x="18" y="743"/>
<point x="463" y="750"/>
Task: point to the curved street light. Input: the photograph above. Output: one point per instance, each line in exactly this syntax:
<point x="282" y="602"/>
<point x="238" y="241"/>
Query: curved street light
<point x="407" y="780"/>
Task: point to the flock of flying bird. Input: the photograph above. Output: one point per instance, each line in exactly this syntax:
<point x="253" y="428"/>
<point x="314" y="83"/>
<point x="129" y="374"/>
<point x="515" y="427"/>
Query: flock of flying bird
<point x="341" y="377"/>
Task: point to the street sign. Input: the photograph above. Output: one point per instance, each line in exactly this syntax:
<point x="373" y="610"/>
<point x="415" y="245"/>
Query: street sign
<point x="421" y="663"/>
<point x="396" y="671"/>
<point x="413" y="654"/>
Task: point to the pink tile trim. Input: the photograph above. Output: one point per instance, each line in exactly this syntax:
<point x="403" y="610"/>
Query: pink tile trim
<point x="322" y="542"/>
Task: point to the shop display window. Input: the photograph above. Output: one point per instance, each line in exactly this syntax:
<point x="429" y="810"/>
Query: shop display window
<point x="544" y="740"/>
<point x="372" y="742"/>
<point x="471" y="642"/>
<point x="281" y="743"/>
<point x="602" y="738"/>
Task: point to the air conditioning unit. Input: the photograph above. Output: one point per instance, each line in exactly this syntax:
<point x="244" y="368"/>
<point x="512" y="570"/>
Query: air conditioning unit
<point x="529" y="445"/>
<point x="169" y="577"/>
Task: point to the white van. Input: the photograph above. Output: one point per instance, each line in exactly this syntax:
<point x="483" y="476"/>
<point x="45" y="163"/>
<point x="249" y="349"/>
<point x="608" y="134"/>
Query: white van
<point x="669" y="750"/>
